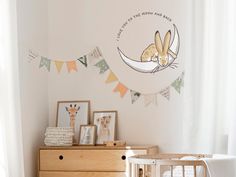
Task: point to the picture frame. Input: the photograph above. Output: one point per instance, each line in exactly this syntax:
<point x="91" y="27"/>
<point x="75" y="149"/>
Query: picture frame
<point x="87" y="135"/>
<point x="106" y="125"/>
<point x="73" y="114"/>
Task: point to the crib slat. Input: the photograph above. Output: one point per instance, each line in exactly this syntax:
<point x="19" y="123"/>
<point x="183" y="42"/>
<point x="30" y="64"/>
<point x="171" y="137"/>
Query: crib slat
<point x="195" y="171"/>
<point x="130" y="170"/>
<point x="145" y="170"/>
<point x="183" y="171"/>
<point x="205" y="171"/>
<point x="153" y="171"/>
<point x="171" y="170"/>
<point x="158" y="171"/>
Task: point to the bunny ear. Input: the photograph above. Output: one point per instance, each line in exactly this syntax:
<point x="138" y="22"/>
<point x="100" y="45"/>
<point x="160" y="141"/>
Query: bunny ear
<point x="166" y="42"/>
<point x="158" y="42"/>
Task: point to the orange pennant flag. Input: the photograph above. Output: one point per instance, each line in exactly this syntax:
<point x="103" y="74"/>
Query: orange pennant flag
<point x="111" y="78"/>
<point x="121" y="88"/>
<point x="71" y="65"/>
<point x="58" y="65"/>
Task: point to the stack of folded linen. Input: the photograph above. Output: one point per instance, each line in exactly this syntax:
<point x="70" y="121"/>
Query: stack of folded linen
<point x="59" y="136"/>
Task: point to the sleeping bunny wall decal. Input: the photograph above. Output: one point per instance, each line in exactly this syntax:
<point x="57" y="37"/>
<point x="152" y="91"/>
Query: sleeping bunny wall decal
<point x="156" y="56"/>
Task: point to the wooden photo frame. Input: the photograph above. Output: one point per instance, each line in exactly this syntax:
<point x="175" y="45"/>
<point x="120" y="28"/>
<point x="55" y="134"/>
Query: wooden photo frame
<point x="73" y="114"/>
<point x="87" y="135"/>
<point x="106" y="125"/>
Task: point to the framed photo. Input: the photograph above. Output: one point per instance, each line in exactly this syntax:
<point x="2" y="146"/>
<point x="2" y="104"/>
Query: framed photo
<point x="87" y="135"/>
<point x="73" y="114"/>
<point x="106" y="125"/>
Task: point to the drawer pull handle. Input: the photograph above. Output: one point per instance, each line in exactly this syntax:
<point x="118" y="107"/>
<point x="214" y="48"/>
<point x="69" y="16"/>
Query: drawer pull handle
<point x="61" y="157"/>
<point x="123" y="157"/>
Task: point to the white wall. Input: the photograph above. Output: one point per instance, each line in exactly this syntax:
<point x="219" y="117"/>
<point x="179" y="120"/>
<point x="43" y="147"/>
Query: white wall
<point x="32" y="32"/>
<point x="75" y="27"/>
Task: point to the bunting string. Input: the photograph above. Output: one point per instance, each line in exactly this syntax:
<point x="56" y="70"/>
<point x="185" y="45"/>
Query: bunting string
<point x="95" y="58"/>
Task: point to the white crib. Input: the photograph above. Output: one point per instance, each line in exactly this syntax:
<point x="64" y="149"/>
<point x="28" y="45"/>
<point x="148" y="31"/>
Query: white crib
<point x="168" y="165"/>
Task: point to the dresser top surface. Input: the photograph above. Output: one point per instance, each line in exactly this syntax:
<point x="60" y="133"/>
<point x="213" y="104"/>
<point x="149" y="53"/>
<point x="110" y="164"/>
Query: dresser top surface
<point x="99" y="147"/>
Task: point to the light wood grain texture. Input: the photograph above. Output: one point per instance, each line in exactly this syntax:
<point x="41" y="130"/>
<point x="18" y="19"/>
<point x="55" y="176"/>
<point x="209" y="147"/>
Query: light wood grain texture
<point x="81" y="174"/>
<point x="156" y="162"/>
<point x="88" y="161"/>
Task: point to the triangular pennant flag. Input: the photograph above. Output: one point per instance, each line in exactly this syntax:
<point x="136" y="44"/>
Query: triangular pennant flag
<point x="102" y="65"/>
<point x="165" y="93"/>
<point x="121" y="88"/>
<point x="32" y="55"/>
<point x="111" y="78"/>
<point x="134" y="96"/>
<point x="71" y="65"/>
<point x="150" y="98"/>
<point x="83" y="60"/>
<point x="58" y="65"/>
<point x="182" y="76"/>
<point x="94" y="55"/>
<point x="178" y="83"/>
<point x="45" y="62"/>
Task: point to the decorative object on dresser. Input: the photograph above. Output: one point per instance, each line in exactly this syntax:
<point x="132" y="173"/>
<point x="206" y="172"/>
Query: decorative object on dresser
<point x="88" y="161"/>
<point x="87" y="135"/>
<point x="59" y="136"/>
<point x="106" y="125"/>
<point x="73" y="114"/>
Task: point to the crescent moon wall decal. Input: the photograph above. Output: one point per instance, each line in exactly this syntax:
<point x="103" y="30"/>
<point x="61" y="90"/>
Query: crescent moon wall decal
<point x="152" y="66"/>
<point x="144" y="67"/>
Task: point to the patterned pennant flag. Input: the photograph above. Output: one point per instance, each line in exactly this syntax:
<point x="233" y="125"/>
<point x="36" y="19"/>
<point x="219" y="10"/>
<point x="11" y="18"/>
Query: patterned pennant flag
<point x="45" y="62"/>
<point x="111" y="78"/>
<point x="178" y="83"/>
<point x="150" y="98"/>
<point x="94" y="54"/>
<point x="83" y="60"/>
<point x="58" y="65"/>
<point x="102" y="65"/>
<point x="134" y="96"/>
<point x="165" y="93"/>
<point x="71" y="65"/>
<point x="32" y="55"/>
<point x="121" y="88"/>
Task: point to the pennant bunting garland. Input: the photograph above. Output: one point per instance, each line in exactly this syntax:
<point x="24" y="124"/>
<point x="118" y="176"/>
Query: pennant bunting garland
<point x="166" y="93"/>
<point x="182" y="77"/>
<point x="96" y="55"/>
<point x="178" y="83"/>
<point x="83" y="60"/>
<point x="134" y="96"/>
<point x="121" y="88"/>
<point x="71" y="65"/>
<point x="102" y="65"/>
<point x="150" y="98"/>
<point x="32" y="55"/>
<point x="58" y="65"/>
<point x="45" y="62"/>
<point x="111" y="78"/>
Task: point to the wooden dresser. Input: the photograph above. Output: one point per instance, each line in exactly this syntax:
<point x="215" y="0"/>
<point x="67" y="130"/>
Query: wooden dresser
<point x="88" y="161"/>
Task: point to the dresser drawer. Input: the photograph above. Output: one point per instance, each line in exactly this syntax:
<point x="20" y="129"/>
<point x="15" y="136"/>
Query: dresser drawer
<point x="85" y="160"/>
<point x="81" y="174"/>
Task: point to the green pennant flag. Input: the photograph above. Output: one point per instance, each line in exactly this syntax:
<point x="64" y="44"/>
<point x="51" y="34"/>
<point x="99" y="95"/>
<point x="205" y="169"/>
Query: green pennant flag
<point x="83" y="60"/>
<point x="134" y="96"/>
<point x="103" y="66"/>
<point x="45" y="62"/>
<point x="178" y="83"/>
<point x="182" y="76"/>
